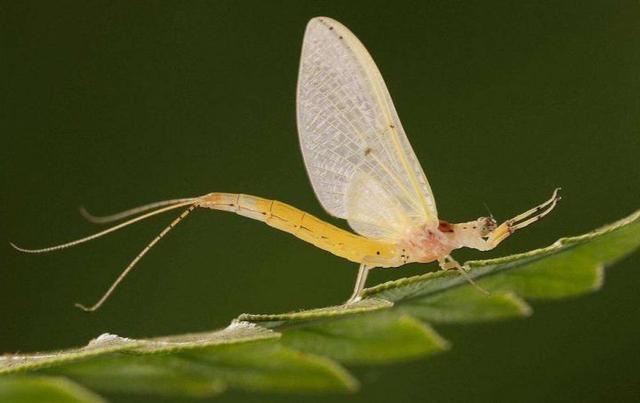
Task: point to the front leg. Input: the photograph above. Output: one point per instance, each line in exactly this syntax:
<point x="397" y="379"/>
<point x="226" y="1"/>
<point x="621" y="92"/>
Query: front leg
<point x="520" y="221"/>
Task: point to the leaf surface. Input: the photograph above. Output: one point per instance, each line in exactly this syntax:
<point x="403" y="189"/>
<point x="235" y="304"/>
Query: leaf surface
<point x="304" y="351"/>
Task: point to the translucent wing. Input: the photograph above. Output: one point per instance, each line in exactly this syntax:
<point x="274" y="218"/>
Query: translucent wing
<point x="373" y="211"/>
<point x="351" y="138"/>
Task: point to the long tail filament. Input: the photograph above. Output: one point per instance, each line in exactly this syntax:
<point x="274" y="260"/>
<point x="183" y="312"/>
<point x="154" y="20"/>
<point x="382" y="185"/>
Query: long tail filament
<point x="169" y="205"/>
<point x="133" y="263"/>
<point x="131" y="212"/>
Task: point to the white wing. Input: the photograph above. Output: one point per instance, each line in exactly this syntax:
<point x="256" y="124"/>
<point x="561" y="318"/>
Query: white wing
<point x="352" y="140"/>
<point x="373" y="211"/>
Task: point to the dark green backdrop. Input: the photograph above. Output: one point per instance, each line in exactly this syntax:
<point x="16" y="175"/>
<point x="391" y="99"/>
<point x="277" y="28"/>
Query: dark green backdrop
<point x="113" y="104"/>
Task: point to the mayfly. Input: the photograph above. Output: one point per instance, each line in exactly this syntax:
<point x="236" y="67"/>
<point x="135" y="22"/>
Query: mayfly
<point x="362" y="169"/>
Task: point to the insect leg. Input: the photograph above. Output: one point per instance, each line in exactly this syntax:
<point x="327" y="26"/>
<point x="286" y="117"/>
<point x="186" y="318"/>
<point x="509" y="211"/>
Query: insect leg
<point x="448" y="263"/>
<point x="522" y="220"/>
<point x="360" y="282"/>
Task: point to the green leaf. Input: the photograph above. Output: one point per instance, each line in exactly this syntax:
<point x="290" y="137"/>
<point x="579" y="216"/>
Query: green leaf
<point x="38" y="389"/>
<point x="242" y="355"/>
<point x="462" y="304"/>
<point x="301" y="351"/>
<point x="273" y="320"/>
<point x="367" y="338"/>
<point x="208" y="369"/>
<point x="374" y="335"/>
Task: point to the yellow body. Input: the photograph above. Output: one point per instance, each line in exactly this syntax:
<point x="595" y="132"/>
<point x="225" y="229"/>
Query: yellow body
<point x="306" y="227"/>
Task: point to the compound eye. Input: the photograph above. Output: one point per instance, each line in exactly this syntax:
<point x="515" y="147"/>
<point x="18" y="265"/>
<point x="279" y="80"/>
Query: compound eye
<point x="490" y="224"/>
<point x="487" y="224"/>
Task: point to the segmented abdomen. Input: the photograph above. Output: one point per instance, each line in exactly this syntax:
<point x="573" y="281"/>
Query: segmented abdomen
<point x="306" y="227"/>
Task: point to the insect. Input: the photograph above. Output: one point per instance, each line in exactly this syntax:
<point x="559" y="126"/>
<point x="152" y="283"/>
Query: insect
<point x="362" y="169"/>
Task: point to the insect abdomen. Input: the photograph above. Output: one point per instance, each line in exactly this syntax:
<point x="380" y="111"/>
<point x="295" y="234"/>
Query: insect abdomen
<point x="304" y="226"/>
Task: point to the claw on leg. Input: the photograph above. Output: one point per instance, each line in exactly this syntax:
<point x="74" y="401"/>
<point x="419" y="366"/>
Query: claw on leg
<point x="522" y="220"/>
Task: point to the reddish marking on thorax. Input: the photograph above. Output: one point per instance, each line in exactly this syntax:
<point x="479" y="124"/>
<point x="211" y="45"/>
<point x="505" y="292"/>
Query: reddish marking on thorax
<point x="427" y="245"/>
<point x="444" y="226"/>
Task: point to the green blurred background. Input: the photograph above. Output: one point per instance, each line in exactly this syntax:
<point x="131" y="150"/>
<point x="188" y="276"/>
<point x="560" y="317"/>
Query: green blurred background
<point x="114" y="104"/>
